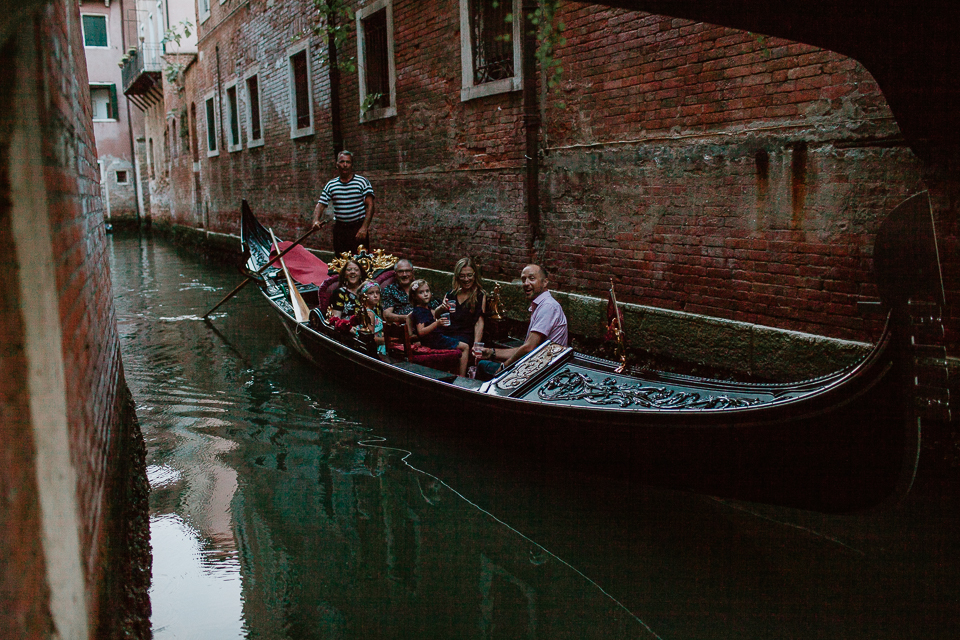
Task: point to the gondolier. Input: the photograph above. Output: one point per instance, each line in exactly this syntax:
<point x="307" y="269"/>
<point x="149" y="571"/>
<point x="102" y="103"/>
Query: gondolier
<point x="352" y="199"/>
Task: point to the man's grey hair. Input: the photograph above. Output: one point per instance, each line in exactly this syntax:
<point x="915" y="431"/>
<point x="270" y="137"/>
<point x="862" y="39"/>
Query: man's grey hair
<point x="403" y="261"/>
<point x="345" y="153"/>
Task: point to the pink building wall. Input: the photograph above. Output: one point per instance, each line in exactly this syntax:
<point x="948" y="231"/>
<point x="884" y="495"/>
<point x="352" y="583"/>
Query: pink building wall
<point x="113" y="135"/>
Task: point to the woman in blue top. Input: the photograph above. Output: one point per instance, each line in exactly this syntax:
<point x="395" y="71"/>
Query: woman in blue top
<point x="469" y="303"/>
<point x="426" y="323"/>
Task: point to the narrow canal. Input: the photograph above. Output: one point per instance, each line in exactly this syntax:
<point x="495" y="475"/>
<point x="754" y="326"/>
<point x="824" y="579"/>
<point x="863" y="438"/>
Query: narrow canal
<point x="284" y="505"/>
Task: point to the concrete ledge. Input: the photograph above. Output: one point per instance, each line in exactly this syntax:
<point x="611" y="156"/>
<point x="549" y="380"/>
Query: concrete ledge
<point x="740" y="347"/>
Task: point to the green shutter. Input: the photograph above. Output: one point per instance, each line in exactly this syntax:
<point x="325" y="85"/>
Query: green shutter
<point x="94" y="31"/>
<point x="114" y="111"/>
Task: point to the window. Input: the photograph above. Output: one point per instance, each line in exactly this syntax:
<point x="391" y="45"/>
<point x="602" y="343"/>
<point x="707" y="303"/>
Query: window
<point x="211" y="112"/>
<point x="103" y="97"/>
<point x="194" y="150"/>
<point x="233" y="120"/>
<point x="254" y="125"/>
<point x="301" y="99"/>
<point x="204" y="6"/>
<point x="94" y="30"/>
<point x="376" y="66"/>
<point x="489" y="47"/>
<point x="121" y="177"/>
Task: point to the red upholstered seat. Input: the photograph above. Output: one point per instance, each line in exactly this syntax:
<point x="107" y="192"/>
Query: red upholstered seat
<point x="400" y="345"/>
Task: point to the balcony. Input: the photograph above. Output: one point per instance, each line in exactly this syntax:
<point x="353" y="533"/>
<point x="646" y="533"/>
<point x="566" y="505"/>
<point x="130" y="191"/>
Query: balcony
<point x="142" y="80"/>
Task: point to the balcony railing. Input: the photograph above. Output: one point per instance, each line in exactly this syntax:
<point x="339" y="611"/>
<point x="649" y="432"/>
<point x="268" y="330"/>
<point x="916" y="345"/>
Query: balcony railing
<point x="141" y="74"/>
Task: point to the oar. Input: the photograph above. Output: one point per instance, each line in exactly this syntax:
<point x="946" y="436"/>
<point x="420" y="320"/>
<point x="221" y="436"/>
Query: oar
<point x="264" y="267"/>
<point x="300" y="309"/>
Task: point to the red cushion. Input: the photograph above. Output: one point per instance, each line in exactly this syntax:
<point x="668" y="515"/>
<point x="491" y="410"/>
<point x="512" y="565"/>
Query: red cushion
<point x="443" y="359"/>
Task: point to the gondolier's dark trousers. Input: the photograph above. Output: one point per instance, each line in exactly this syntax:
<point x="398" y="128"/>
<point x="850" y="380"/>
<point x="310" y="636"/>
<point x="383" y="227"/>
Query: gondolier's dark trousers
<point x="345" y="237"/>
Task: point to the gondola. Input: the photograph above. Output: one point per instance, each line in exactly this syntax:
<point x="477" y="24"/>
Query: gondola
<point x="845" y="441"/>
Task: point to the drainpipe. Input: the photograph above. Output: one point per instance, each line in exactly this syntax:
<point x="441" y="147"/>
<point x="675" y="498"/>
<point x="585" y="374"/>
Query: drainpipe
<point x="333" y="71"/>
<point x="531" y="123"/>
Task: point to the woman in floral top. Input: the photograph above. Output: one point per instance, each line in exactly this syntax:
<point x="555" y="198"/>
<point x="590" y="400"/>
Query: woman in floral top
<point x="345" y="302"/>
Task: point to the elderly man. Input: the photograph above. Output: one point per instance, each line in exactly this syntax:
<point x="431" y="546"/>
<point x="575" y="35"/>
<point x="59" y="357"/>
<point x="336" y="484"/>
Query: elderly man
<point x="352" y="199"/>
<point x="396" y="296"/>
<point x="547" y="322"/>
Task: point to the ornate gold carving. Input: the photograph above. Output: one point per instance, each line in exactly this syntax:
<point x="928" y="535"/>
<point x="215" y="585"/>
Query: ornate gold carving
<point x="495" y="304"/>
<point x="371" y="262"/>
<point x="530" y="367"/>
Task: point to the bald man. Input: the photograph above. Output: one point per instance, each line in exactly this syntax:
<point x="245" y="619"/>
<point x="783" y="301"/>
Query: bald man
<point x="547" y="322"/>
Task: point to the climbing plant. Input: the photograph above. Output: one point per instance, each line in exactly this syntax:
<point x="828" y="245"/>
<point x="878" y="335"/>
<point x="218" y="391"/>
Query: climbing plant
<point x="335" y="21"/>
<point x="549" y="33"/>
<point x="173" y="71"/>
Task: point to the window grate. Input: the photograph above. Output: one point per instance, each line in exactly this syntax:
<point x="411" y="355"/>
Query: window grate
<point x="375" y="54"/>
<point x="301" y="90"/>
<point x="234" y="116"/>
<point x="253" y="93"/>
<point x="491" y="39"/>
<point x="211" y="127"/>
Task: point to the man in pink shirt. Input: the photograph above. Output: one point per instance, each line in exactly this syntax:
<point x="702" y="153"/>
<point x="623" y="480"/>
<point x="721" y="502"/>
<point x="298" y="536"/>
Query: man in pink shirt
<point x="547" y="322"/>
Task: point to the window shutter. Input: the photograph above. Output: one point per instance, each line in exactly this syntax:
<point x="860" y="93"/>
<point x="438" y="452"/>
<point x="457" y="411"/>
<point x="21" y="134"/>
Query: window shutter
<point x="114" y="110"/>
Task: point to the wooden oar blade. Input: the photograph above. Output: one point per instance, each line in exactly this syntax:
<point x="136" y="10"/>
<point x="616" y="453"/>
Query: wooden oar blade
<point x="300" y="309"/>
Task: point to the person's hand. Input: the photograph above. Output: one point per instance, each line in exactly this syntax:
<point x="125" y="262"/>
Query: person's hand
<point x="317" y="223"/>
<point x="362" y="233"/>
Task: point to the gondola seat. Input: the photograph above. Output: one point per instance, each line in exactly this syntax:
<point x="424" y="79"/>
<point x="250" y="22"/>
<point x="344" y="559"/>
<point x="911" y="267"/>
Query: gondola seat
<point x="400" y="344"/>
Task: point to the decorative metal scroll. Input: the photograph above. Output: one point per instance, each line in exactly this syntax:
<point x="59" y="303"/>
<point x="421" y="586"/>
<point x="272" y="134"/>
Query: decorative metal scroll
<point x="570" y="385"/>
<point x="530" y="367"/>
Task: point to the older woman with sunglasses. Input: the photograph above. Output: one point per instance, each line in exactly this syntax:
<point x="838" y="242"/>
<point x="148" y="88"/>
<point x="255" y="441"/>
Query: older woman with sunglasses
<point x="467" y="303"/>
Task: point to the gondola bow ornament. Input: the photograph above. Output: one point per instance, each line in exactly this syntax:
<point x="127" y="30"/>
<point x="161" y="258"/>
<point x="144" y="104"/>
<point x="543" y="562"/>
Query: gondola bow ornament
<point x="615" y="328"/>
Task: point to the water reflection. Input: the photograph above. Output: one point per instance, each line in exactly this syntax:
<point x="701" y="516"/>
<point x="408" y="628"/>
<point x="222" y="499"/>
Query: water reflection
<point x="283" y="506"/>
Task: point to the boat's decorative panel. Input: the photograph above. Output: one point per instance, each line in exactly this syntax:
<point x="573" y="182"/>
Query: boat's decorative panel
<point x="583" y="387"/>
<point x="528" y="368"/>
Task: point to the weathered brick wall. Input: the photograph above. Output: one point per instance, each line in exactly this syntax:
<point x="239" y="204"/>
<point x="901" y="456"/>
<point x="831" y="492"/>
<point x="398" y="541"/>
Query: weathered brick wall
<point x="710" y="170"/>
<point x="719" y="172"/>
<point x="99" y="414"/>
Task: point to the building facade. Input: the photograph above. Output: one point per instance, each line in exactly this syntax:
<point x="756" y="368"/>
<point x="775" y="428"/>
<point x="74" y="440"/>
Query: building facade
<point x="105" y="43"/>
<point x="707" y="170"/>
<point x="154" y="81"/>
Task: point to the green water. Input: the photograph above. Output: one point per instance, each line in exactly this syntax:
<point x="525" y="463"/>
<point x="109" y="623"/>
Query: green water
<point x="286" y="505"/>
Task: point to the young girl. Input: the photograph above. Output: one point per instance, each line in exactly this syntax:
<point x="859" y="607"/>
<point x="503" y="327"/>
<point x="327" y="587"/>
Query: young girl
<point x="426" y="324"/>
<point x="369" y="296"/>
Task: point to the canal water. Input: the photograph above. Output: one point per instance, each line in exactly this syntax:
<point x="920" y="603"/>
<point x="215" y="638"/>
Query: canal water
<point x="286" y="505"/>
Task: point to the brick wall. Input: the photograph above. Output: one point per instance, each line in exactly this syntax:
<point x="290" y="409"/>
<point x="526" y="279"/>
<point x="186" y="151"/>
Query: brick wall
<point x="710" y="170"/>
<point x="99" y="418"/>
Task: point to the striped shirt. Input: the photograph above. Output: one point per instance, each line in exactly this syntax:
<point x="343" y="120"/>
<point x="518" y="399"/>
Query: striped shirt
<point x="347" y="198"/>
